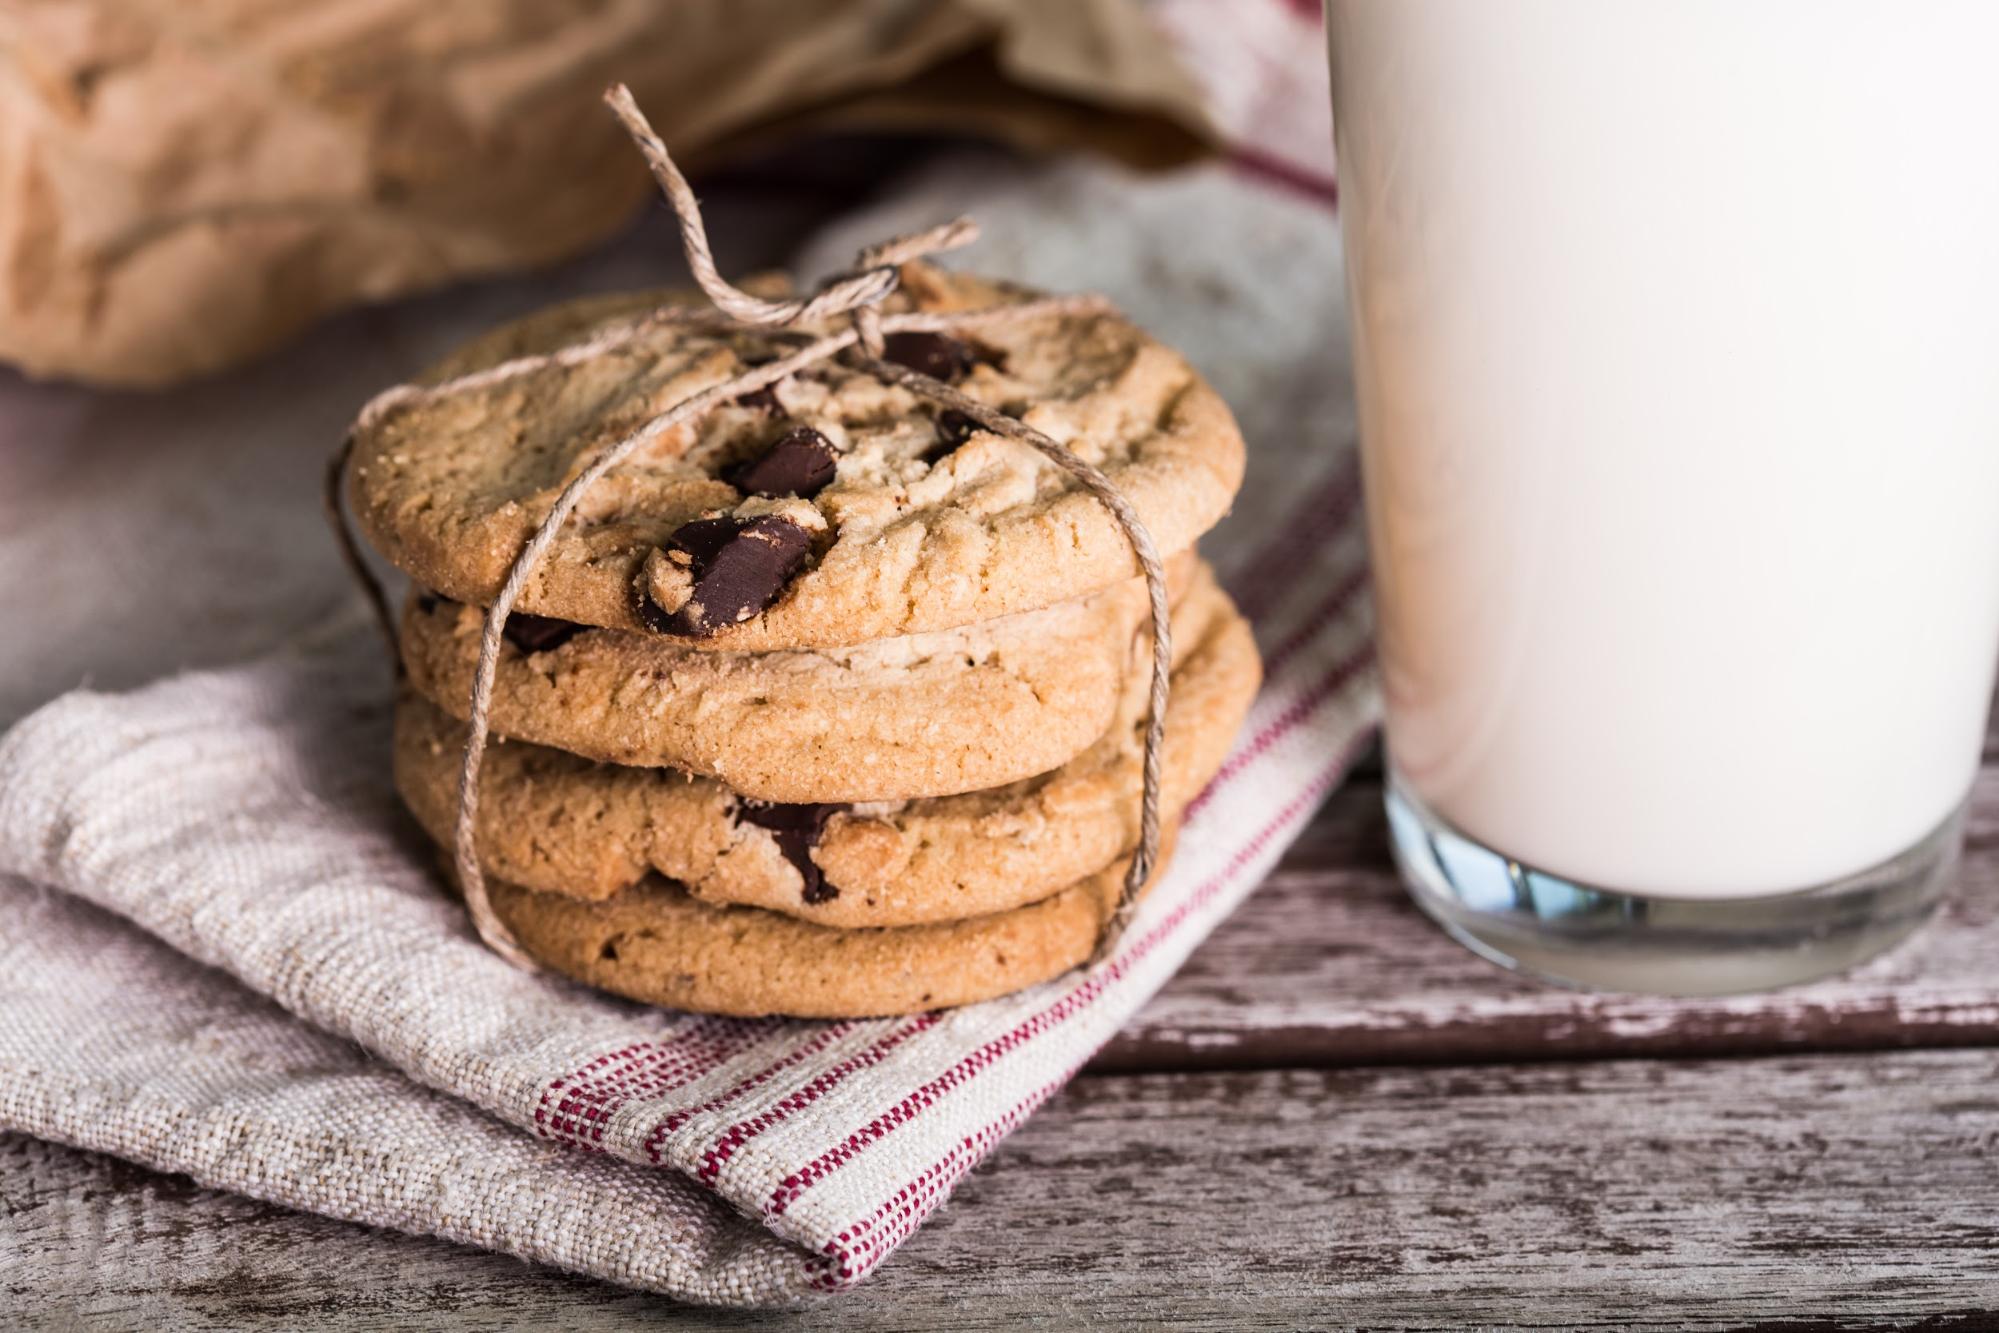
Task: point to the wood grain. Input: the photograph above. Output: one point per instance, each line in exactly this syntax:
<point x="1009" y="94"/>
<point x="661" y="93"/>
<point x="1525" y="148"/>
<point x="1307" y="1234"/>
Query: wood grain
<point x="1626" y="1193"/>
<point x="1329" y="964"/>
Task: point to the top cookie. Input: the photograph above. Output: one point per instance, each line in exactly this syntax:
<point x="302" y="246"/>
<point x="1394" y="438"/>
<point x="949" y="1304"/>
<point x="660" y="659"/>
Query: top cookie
<point x="829" y="510"/>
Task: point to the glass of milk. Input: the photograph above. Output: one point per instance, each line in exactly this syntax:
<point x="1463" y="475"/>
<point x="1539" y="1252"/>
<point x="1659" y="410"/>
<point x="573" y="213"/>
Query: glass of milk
<point x="1676" y="332"/>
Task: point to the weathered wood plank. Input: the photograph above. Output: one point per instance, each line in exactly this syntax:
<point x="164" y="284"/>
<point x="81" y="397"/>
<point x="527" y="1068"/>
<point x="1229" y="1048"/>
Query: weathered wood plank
<point x="1632" y="1193"/>
<point x="1330" y="964"/>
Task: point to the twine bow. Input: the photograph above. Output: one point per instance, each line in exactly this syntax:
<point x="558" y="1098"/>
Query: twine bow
<point x="857" y="294"/>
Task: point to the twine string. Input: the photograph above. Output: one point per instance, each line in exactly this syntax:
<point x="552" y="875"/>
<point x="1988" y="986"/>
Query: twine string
<point x="465" y="860"/>
<point x="350" y="552"/>
<point x="857" y="294"/>
<point x="874" y="276"/>
<point x="1158" y="610"/>
<point x="602" y="343"/>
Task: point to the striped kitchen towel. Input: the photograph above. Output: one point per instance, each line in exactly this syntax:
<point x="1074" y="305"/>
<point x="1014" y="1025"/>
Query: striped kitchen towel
<point x="243" y="818"/>
<point x="302" y="1016"/>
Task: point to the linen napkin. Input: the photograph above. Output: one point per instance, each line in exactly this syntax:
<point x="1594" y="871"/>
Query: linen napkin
<point x="306" y="1018"/>
<point x="243" y="817"/>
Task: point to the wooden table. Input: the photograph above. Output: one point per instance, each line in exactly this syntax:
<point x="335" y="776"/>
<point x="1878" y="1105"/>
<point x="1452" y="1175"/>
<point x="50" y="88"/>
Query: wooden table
<point x="1333" y="1115"/>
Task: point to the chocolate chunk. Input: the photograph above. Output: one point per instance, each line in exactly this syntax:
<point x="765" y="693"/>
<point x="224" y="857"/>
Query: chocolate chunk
<point x="538" y="634"/>
<point x="739" y="567"/>
<point x="762" y="400"/>
<point x="800" y="463"/>
<point x="933" y="354"/>
<point x="953" y="429"/>
<point x="704" y="539"/>
<point x="759" y="400"/>
<point x="796" y="830"/>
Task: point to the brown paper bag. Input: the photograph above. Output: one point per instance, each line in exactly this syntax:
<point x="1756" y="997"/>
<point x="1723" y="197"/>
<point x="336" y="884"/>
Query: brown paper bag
<point x="183" y="185"/>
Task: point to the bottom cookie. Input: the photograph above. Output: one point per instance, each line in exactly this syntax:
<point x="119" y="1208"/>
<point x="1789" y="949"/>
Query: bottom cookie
<point x="656" y="943"/>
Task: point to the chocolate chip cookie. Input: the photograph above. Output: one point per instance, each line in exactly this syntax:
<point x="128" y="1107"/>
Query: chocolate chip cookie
<point x="922" y="715"/>
<point x="654" y="942"/>
<point x="828" y="510"/>
<point x="557" y="823"/>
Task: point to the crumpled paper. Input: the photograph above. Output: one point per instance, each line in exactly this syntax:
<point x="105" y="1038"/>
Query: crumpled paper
<point x="185" y="185"/>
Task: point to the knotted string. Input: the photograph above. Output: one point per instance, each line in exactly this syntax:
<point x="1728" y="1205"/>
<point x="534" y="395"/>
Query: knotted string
<point x="858" y="295"/>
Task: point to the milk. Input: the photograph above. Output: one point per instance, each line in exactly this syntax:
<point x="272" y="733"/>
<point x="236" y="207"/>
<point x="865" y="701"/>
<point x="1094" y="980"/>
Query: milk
<point x="1677" y="356"/>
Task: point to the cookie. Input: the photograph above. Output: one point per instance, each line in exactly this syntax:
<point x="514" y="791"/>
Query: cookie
<point x="828" y="510"/>
<point x="656" y="943"/>
<point x="557" y="823"/>
<point x="923" y="715"/>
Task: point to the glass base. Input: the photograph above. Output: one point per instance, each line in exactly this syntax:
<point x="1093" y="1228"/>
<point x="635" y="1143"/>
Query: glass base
<point x="1577" y="935"/>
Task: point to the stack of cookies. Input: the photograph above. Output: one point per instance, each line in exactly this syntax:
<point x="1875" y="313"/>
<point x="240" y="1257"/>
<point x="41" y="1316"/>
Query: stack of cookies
<point x="827" y="703"/>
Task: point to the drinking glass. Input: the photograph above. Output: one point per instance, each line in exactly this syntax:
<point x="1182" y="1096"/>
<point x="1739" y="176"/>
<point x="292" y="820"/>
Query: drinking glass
<point x="1676" y="331"/>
